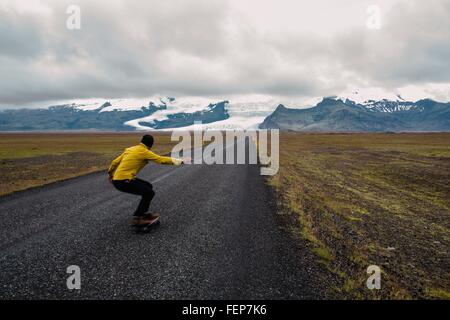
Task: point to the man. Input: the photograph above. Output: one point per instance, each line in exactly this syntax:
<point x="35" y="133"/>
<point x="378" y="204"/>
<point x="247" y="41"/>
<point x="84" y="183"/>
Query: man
<point x="123" y="171"/>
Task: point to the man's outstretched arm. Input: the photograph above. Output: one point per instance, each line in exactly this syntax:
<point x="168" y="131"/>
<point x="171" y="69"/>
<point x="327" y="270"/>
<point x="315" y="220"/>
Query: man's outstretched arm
<point x="151" y="156"/>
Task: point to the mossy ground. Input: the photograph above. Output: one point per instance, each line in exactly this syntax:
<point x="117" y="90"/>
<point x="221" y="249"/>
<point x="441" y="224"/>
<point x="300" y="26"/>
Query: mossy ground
<point x="363" y="199"/>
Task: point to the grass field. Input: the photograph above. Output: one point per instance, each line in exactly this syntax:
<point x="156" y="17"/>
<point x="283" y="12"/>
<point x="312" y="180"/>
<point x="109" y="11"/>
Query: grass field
<point x="372" y="199"/>
<point x="29" y="159"/>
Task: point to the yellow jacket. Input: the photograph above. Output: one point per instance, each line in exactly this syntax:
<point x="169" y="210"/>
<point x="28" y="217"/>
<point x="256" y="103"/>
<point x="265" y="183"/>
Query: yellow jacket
<point x="128" y="164"/>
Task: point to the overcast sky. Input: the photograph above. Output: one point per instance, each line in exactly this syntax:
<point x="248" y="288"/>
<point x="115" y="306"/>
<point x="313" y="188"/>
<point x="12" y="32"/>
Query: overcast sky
<point x="131" y="48"/>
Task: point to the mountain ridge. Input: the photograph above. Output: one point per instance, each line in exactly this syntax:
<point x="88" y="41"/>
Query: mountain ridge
<point x="329" y="114"/>
<point x="334" y="114"/>
<point x="72" y="117"/>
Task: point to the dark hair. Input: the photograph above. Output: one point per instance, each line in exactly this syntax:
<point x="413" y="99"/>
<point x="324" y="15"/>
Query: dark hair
<point x="147" y="140"/>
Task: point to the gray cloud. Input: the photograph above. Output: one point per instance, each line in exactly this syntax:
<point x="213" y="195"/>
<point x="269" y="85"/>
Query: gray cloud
<point x="140" y="48"/>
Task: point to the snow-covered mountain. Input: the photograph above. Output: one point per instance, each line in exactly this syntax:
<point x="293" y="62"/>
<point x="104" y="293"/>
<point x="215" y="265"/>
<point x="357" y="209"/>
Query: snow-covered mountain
<point x="167" y="113"/>
<point x="377" y="100"/>
<point x="368" y="110"/>
<point x="343" y="114"/>
<point x="244" y="111"/>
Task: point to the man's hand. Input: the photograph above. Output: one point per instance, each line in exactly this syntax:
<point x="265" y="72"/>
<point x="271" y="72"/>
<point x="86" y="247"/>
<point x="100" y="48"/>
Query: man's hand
<point x="110" y="177"/>
<point x="186" y="160"/>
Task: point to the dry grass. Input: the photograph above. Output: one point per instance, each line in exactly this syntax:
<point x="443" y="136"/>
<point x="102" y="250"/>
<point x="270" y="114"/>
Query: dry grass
<point x="362" y="199"/>
<point x="33" y="159"/>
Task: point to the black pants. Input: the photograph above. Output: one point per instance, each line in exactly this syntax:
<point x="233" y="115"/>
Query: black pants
<point x="138" y="187"/>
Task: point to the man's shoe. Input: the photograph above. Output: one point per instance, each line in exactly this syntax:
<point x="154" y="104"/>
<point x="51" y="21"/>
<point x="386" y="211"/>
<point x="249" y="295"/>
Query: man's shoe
<point x="151" y="215"/>
<point x="136" y="220"/>
<point x="146" y="219"/>
<point x="149" y="219"/>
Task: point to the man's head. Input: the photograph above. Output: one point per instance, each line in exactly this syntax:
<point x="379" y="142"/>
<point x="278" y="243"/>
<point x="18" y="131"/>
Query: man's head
<point x="147" y="140"/>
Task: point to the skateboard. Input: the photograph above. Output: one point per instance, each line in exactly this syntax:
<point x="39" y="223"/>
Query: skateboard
<point x="148" y="227"/>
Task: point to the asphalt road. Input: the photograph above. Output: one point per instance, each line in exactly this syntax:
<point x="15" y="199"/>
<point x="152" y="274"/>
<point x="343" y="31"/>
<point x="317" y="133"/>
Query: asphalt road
<point x="220" y="238"/>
